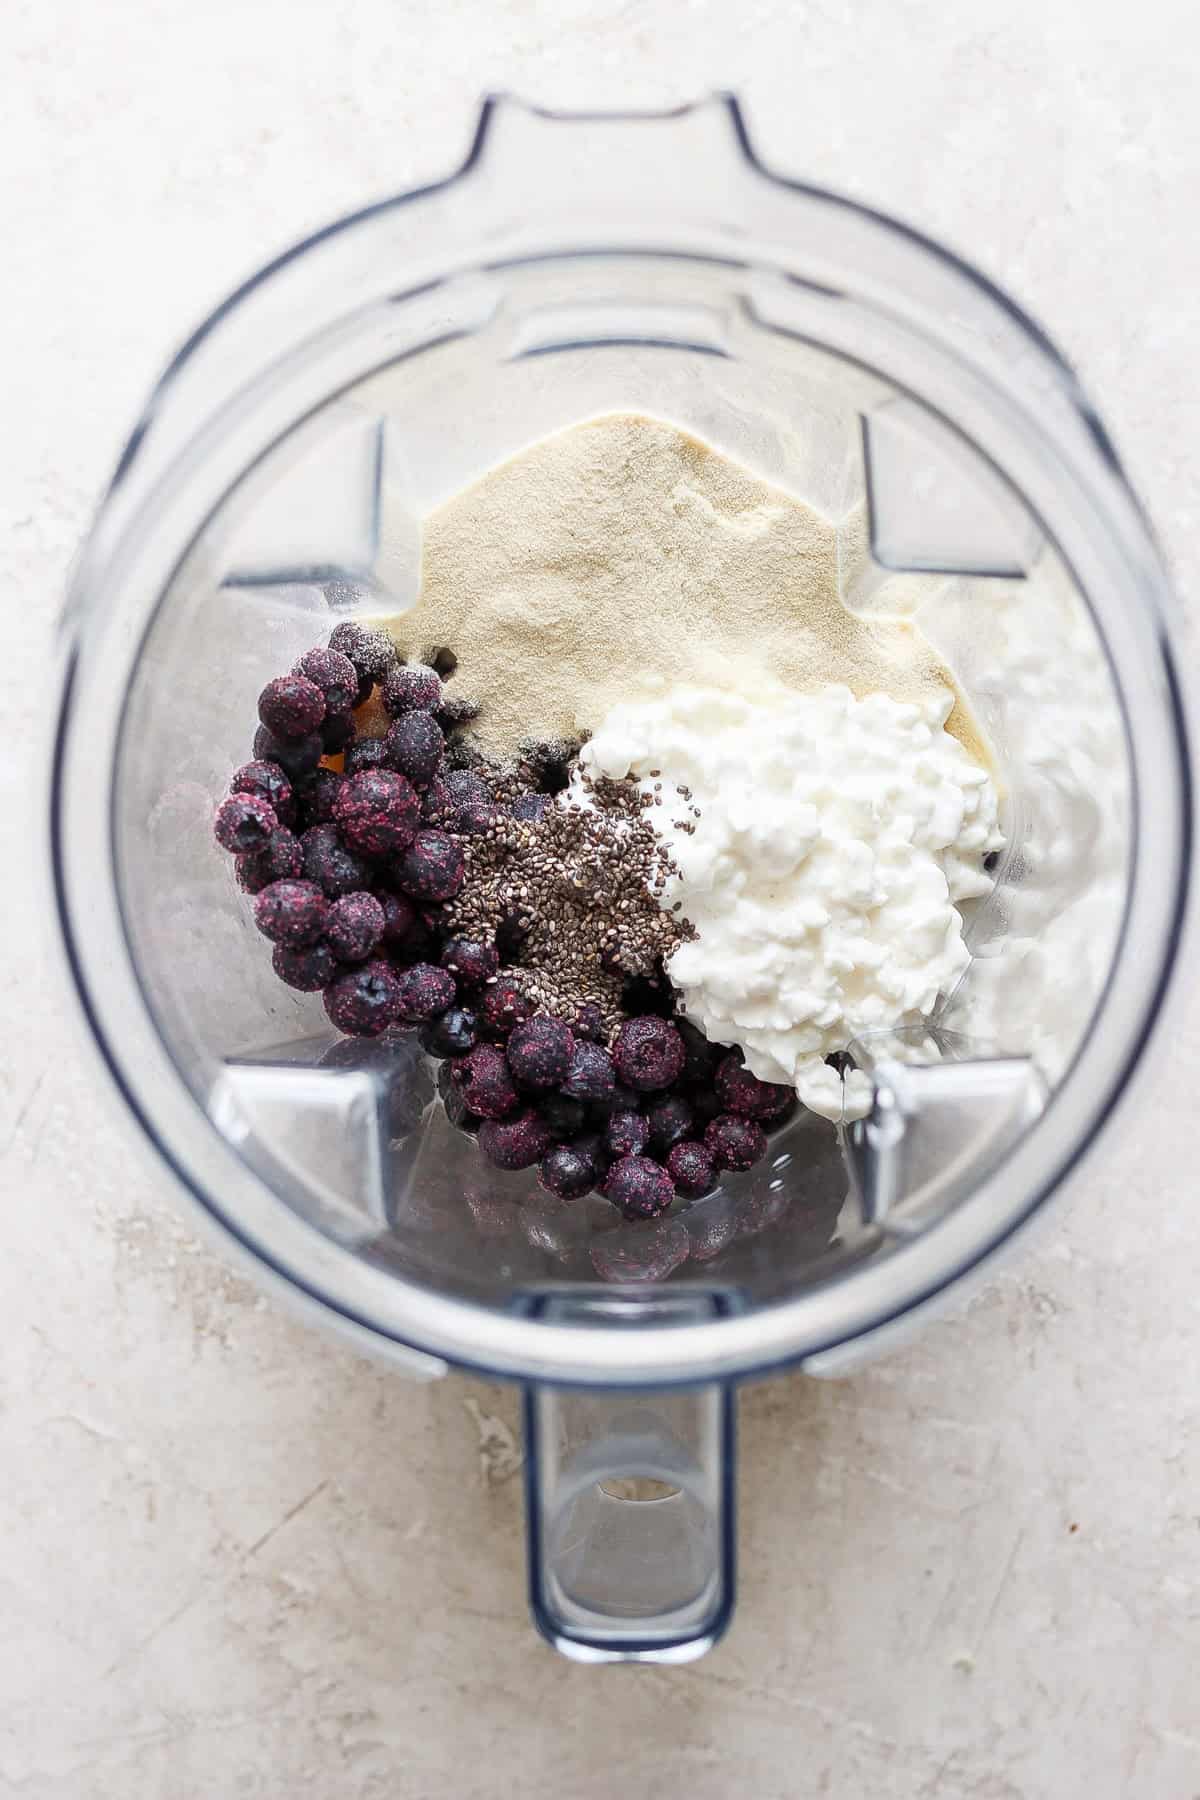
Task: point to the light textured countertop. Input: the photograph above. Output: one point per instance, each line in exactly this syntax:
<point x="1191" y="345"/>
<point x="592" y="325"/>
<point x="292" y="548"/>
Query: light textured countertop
<point x="239" y="1561"/>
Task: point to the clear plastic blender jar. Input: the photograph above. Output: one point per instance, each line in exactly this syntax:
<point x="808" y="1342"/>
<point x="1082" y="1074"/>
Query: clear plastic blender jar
<point x="277" y="482"/>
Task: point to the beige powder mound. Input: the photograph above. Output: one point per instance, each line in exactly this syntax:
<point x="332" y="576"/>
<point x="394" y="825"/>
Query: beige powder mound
<point x="624" y="552"/>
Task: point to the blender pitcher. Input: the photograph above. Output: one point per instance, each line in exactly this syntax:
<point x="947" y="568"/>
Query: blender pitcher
<point x="277" y="482"/>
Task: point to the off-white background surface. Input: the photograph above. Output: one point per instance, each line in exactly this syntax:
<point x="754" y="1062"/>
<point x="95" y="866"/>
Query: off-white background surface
<point x="235" y="1560"/>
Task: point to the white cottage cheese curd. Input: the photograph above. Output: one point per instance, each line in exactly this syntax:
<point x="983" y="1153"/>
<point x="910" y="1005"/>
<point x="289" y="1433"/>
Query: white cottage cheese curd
<point x="835" y="839"/>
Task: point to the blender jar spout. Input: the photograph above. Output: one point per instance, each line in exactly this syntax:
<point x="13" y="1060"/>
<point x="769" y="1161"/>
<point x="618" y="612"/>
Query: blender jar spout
<point x="630" y="1495"/>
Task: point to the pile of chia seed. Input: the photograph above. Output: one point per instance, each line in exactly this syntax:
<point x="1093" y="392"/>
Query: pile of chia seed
<point x="579" y="887"/>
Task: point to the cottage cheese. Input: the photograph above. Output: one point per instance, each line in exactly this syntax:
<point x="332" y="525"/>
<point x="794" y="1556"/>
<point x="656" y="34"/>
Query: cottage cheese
<point x="836" y="839"/>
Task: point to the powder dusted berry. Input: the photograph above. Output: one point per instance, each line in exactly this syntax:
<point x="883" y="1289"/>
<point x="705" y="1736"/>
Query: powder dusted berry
<point x="328" y="862"/>
<point x="529" y="807"/>
<point x="366" y="753"/>
<point x="625" y="1134"/>
<point x="670" y="1121"/>
<point x="315" y="795"/>
<point x="291" y="913"/>
<point x="741" y="1092"/>
<point x="399" y="916"/>
<point x="648" y="1054"/>
<point x="424" y="991"/>
<point x="309" y="969"/>
<point x="377" y="812"/>
<point x="565" y="1173"/>
<point x="540" y="1051"/>
<point x="267" y="781"/>
<point x="354" y="927"/>
<point x="502" y="1007"/>
<point x="415" y="746"/>
<point x="364" y="1001"/>
<point x="734" y="1142"/>
<point x="564" y="1116"/>
<point x="412" y="687"/>
<point x="371" y="652"/>
<point x="590" y="1075"/>
<point x="485" y="1082"/>
<point x="280" y="861"/>
<point x="515" y="1143"/>
<point x="691" y="1169"/>
<point x="433" y="866"/>
<point x="335" y="675"/>
<point x="455" y="710"/>
<point x="299" y="756"/>
<point x="639" y="1188"/>
<point x="459" y="1113"/>
<point x="291" y="707"/>
<point x="453" y="1033"/>
<point x="244" y="824"/>
<point x="473" y="963"/>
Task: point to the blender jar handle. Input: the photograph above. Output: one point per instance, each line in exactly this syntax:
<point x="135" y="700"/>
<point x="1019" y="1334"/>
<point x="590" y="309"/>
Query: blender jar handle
<point x="630" y="1496"/>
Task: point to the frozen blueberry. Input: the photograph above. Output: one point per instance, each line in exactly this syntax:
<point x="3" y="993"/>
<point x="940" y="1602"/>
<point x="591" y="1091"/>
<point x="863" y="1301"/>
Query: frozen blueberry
<point x="364" y="1001"/>
<point x="315" y="795"/>
<point x="622" y="1099"/>
<point x="453" y="1033"/>
<point x="282" y="860"/>
<point x="590" y="1144"/>
<point x="291" y="707"/>
<point x="540" y="1051"/>
<point x="366" y="753"/>
<point x="267" y="781"/>
<point x="454" y="710"/>
<point x="648" y="1053"/>
<point x="700" y="1057"/>
<point x="669" y="1120"/>
<point x="474" y="963"/>
<point x="337" y="732"/>
<point x="291" y="913"/>
<point x="734" y="1142"/>
<point x="328" y="862"/>
<point x="529" y="807"/>
<point x="437" y="803"/>
<point x="502" y="1007"/>
<point x="691" y="1169"/>
<point x="299" y="756"/>
<point x="371" y="652"/>
<point x="432" y="866"/>
<point x="354" y="927"/>
<point x="591" y="1075"/>
<point x="412" y="687"/>
<point x="485" y="1081"/>
<point x="399" y="916"/>
<point x="563" y="1115"/>
<point x="741" y="1092"/>
<point x="564" y="1172"/>
<point x="377" y="813"/>
<point x="625" y="1134"/>
<point x="244" y="823"/>
<point x="475" y="818"/>
<point x="466" y="788"/>
<point x="424" y="991"/>
<point x="309" y="969"/>
<point x="705" y="1106"/>
<point x="334" y="674"/>
<point x="589" y="1023"/>
<point x="639" y="1188"/>
<point x="415" y="746"/>
<point x="515" y="1143"/>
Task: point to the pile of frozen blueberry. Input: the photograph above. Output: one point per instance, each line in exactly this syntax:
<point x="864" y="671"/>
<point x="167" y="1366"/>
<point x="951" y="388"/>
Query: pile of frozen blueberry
<point x="349" y="869"/>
